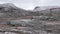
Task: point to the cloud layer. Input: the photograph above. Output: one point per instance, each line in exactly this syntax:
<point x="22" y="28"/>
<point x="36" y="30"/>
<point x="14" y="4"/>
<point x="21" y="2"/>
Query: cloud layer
<point x="30" y="4"/>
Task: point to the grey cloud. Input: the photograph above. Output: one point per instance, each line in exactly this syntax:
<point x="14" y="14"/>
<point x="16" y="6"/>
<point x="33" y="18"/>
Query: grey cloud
<point x="29" y="4"/>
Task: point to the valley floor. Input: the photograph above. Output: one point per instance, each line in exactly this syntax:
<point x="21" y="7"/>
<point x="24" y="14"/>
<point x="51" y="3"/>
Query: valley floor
<point x="31" y="27"/>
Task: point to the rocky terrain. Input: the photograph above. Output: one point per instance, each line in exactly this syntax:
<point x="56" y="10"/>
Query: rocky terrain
<point x="14" y="20"/>
<point x="10" y="10"/>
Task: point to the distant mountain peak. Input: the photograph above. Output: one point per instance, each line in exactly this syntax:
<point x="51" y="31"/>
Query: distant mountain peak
<point x="39" y="8"/>
<point x="8" y="5"/>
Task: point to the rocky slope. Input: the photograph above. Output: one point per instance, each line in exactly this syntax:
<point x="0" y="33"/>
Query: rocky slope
<point x="10" y="10"/>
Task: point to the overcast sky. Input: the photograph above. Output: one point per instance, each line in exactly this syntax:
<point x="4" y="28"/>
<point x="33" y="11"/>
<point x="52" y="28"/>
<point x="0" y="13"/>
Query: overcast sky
<point x="30" y="4"/>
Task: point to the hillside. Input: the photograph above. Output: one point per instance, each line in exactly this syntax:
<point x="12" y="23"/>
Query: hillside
<point x="10" y="10"/>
